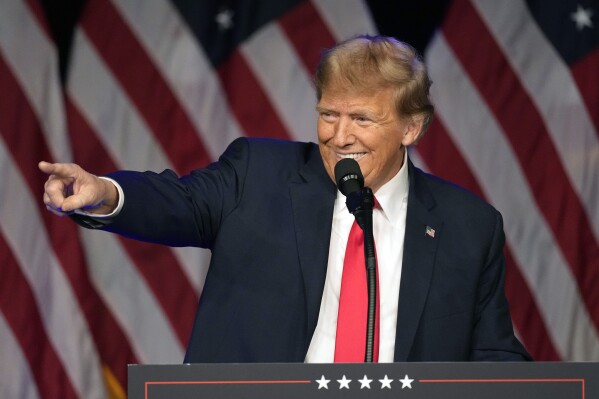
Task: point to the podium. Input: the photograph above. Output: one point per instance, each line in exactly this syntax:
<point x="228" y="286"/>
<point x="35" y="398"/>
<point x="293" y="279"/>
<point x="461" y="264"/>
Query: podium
<point x="526" y="380"/>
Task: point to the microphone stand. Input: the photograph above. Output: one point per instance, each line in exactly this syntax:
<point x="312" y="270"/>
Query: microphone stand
<point x="363" y="214"/>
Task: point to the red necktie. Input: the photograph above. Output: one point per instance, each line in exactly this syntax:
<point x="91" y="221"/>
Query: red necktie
<point x="350" y="341"/>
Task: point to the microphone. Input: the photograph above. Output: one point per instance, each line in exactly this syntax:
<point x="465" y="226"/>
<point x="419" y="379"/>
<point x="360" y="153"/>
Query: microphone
<point x="350" y="182"/>
<point x="349" y="176"/>
<point x="360" y="201"/>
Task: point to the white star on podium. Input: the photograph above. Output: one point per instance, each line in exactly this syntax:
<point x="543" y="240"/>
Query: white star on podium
<point x="406" y="382"/>
<point x="344" y="382"/>
<point x="386" y="382"/>
<point x="323" y="383"/>
<point x="365" y="382"/>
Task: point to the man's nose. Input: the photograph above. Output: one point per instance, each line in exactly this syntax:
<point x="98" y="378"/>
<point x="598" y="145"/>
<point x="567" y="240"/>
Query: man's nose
<point x="343" y="133"/>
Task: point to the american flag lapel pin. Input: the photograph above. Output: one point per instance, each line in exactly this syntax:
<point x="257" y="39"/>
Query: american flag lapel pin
<point x="430" y="232"/>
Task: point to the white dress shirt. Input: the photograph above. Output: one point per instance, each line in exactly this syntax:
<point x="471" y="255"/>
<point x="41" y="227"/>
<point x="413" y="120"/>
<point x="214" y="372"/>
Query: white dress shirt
<point x="389" y="225"/>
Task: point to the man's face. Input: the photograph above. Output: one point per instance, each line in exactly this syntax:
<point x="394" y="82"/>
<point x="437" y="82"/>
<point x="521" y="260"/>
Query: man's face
<point x="365" y="127"/>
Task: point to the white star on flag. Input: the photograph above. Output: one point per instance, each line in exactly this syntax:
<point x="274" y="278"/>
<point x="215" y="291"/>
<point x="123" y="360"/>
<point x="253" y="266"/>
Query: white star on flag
<point x="323" y="382"/>
<point x="406" y="382"/>
<point x="582" y="17"/>
<point x="365" y="382"/>
<point x="224" y="19"/>
<point x="344" y="382"/>
<point x="386" y="382"/>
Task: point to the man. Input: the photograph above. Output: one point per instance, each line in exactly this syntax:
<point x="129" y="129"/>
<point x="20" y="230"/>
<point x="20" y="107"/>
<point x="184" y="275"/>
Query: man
<point x="278" y="228"/>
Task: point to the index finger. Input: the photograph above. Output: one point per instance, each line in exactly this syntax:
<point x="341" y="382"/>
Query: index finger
<point x="58" y="169"/>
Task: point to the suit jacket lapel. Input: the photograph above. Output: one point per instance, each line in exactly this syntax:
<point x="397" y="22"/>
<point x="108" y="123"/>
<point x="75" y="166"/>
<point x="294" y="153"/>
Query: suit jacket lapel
<point x="423" y="230"/>
<point x="313" y="199"/>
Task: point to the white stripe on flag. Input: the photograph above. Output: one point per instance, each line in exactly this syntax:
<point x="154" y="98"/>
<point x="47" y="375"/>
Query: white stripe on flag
<point x="107" y="108"/>
<point x="131" y="301"/>
<point x="482" y="143"/>
<point x="346" y="20"/>
<point x="195" y="262"/>
<point x="36" y="69"/>
<point x="16" y="380"/>
<point x="286" y="82"/>
<point x="417" y="159"/>
<point x="536" y="62"/>
<point x="132" y="145"/>
<point x="197" y="86"/>
<point x="59" y="309"/>
<point x="123" y="132"/>
<point x="186" y="68"/>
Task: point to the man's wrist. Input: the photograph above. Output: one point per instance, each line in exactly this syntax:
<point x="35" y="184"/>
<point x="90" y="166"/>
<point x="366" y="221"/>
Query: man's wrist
<point x="119" y="203"/>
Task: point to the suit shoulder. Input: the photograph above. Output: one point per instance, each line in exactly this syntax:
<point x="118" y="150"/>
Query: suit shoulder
<point x="274" y="158"/>
<point x="274" y="152"/>
<point x="449" y="194"/>
<point x="281" y="148"/>
<point x="271" y="147"/>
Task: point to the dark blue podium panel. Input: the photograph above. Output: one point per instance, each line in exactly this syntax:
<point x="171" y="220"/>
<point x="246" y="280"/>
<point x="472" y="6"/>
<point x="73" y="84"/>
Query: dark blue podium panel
<point x="395" y="380"/>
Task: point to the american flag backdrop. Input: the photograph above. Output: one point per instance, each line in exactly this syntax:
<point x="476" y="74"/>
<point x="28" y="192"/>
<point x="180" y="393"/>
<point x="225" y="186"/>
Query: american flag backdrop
<point x="157" y="84"/>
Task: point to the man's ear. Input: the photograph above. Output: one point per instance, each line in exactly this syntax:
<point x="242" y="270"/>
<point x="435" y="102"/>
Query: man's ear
<point x="412" y="131"/>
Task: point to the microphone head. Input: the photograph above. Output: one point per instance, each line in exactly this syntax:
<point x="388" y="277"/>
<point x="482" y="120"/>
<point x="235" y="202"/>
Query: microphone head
<point x="349" y="176"/>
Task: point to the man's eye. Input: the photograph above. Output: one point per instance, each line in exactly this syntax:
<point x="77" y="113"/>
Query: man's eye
<point x="327" y="116"/>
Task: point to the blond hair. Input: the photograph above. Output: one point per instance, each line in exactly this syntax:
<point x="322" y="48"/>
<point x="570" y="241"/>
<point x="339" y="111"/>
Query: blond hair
<point x="367" y="62"/>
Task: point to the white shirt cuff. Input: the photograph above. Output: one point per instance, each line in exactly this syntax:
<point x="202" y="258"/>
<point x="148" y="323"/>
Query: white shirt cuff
<point x="116" y="210"/>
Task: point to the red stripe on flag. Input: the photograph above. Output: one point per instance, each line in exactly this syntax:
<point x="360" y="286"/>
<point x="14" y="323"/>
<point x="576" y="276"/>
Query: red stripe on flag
<point x="308" y="33"/>
<point x="157" y="264"/>
<point x="27" y="147"/>
<point x="445" y="160"/>
<point x="586" y="75"/>
<point x="525" y="313"/>
<point x="145" y="85"/>
<point x="21" y="312"/>
<point x="524" y="127"/>
<point x="247" y="100"/>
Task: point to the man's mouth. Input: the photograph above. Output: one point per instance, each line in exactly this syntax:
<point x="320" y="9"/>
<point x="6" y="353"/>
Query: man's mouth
<point x="354" y="155"/>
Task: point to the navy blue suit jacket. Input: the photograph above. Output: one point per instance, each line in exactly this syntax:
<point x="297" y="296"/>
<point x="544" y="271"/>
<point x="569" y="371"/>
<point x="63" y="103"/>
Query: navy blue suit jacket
<point x="265" y="210"/>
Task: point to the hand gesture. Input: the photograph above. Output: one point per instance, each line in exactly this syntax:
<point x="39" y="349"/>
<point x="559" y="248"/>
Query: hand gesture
<point x="70" y="188"/>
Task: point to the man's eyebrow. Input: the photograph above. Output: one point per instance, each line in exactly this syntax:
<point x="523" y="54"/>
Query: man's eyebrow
<point x="320" y="108"/>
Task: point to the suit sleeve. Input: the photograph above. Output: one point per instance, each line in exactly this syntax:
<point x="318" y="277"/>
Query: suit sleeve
<point x="493" y="337"/>
<point x="180" y="211"/>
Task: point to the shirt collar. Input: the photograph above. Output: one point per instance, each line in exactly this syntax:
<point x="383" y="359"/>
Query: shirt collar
<point x="390" y="196"/>
<point x="393" y="193"/>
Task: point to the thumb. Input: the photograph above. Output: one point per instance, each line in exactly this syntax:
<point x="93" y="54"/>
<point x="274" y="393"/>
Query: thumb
<point x="73" y="202"/>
